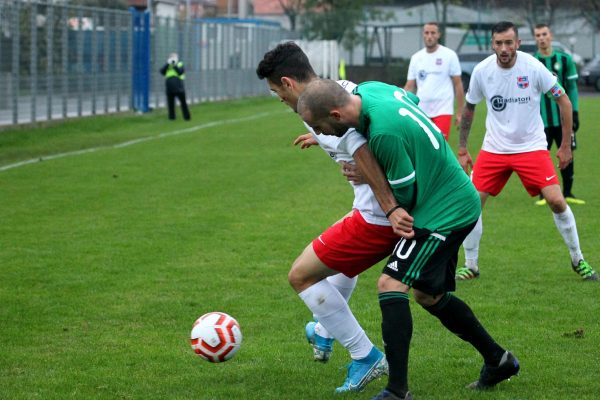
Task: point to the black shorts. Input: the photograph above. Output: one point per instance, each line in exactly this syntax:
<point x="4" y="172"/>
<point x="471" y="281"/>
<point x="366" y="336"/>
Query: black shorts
<point x="427" y="262"/>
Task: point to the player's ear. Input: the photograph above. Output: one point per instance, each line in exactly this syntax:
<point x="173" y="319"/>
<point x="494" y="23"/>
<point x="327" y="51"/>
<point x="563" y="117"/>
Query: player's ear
<point x="335" y="114"/>
<point x="286" y="82"/>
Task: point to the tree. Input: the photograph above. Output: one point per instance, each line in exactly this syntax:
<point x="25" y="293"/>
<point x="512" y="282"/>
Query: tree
<point x="533" y="12"/>
<point x="292" y="9"/>
<point x="338" y="19"/>
<point x="441" y="10"/>
<point x="540" y="12"/>
<point x="442" y="16"/>
<point x="590" y="11"/>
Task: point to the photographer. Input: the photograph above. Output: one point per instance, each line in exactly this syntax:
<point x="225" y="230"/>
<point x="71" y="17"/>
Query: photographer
<point x="175" y="74"/>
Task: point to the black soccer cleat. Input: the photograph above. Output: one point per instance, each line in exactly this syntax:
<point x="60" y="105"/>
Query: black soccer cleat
<point x="491" y="376"/>
<point x="387" y="395"/>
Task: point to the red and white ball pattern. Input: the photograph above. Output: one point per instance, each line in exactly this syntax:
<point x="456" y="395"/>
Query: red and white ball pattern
<point x="216" y="337"/>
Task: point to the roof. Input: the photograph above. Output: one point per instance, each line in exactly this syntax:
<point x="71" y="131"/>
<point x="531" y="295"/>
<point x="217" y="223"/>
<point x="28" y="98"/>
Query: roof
<point x="272" y="7"/>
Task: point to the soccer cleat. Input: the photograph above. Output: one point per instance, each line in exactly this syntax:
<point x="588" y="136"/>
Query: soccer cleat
<point x="574" y="200"/>
<point x="387" y="395"/>
<point x="465" y="273"/>
<point x="322" y="347"/>
<point x="363" y="371"/>
<point x="585" y="271"/>
<point x="541" y="202"/>
<point x="491" y="376"/>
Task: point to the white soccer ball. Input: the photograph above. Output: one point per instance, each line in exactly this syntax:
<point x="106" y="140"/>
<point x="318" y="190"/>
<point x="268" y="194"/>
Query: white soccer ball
<point x="216" y="337"/>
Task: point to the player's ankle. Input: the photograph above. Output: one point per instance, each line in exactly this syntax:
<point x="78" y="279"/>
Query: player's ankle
<point x="472" y="264"/>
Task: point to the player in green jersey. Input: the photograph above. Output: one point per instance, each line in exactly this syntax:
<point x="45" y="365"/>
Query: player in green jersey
<point x="437" y="206"/>
<point x="563" y="66"/>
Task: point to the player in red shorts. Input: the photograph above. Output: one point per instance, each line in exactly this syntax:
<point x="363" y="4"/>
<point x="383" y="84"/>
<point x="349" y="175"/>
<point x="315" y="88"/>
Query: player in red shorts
<point x="512" y="83"/>
<point x="434" y="74"/>
<point x="324" y="275"/>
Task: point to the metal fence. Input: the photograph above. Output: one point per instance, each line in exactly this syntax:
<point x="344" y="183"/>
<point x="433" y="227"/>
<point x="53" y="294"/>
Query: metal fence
<point x="59" y="61"/>
<point x="220" y="58"/>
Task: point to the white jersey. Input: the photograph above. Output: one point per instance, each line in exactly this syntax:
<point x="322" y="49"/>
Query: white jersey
<point x="342" y="149"/>
<point x="513" y="123"/>
<point x="432" y="73"/>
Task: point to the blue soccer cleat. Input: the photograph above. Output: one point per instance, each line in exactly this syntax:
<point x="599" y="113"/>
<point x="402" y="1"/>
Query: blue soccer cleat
<point x="322" y="347"/>
<point x="363" y="371"/>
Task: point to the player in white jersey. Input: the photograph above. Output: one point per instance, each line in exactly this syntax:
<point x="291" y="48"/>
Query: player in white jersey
<point x="434" y="74"/>
<point x="512" y="83"/>
<point x="340" y="150"/>
<point x="324" y="275"/>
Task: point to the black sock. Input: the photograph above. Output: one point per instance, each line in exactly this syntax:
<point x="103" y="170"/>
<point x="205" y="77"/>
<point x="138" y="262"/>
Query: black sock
<point x="396" y="328"/>
<point x="459" y="319"/>
<point x="567" y="179"/>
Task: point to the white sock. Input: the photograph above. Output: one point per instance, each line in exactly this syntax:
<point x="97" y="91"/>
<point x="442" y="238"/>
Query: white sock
<point x="471" y="245"/>
<point x="345" y="286"/>
<point x="565" y="222"/>
<point x="332" y="311"/>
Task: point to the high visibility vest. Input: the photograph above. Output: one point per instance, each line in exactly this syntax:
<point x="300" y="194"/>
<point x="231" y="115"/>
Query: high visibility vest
<point x="342" y="69"/>
<point x="173" y="72"/>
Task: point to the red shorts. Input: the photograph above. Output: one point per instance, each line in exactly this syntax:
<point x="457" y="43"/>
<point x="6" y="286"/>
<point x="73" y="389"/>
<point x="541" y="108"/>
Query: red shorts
<point x="444" y="122"/>
<point x="491" y="171"/>
<point x="353" y="245"/>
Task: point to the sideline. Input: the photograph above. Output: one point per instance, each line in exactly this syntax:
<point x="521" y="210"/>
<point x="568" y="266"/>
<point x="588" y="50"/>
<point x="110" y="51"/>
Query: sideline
<point x="138" y="140"/>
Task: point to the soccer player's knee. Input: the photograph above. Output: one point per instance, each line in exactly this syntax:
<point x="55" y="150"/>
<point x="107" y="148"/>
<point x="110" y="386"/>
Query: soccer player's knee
<point x="295" y="277"/>
<point x="388" y="284"/>
<point x="557" y="204"/>
<point x="381" y="284"/>
<point x="426" y="300"/>
<point x="302" y="275"/>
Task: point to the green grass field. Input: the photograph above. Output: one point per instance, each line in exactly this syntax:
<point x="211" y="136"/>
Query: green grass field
<point x="107" y="257"/>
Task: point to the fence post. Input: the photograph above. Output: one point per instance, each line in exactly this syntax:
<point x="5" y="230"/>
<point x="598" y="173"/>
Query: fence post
<point x="140" y="78"/>
<point x="15" y="67"/>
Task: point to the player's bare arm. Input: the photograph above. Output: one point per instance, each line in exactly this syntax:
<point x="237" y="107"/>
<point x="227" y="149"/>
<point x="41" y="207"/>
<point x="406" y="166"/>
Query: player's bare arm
<point x="305" y="141"/>
<point x="464" y="158"/>
<point x="459" y="94"/>
<point x="564" y="153"/>
<point x="402" y="222"/>
<point x="411" y="86"/>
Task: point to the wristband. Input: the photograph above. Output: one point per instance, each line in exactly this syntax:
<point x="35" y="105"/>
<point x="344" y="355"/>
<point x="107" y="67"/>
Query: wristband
<point x="387" y="214"/>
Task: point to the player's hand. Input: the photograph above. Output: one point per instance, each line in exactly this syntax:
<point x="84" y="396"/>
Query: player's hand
<point x="465" y="160"/>
<point x="352" y="173"/>
<point x="564" y="155"/>
<point x="457" y="119"/>
<point x="306" y="141"/>
<point x="402" y="223"/>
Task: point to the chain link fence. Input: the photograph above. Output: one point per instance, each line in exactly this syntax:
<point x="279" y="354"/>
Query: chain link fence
<point x="59" y="61"/>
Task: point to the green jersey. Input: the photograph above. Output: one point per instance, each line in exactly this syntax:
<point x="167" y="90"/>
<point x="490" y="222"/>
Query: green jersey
<point x="561" y="65"/>
<point x="425" y="176"/>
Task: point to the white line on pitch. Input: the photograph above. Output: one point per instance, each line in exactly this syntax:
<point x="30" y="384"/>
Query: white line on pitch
<point x="136" y="141"/>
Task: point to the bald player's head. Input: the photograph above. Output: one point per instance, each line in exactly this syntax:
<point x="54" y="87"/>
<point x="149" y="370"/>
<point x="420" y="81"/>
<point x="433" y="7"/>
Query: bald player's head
<point x="319" y="106"/>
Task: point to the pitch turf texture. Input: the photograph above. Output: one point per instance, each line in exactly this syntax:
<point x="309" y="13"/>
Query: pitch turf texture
<point x="107" y="257"/>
